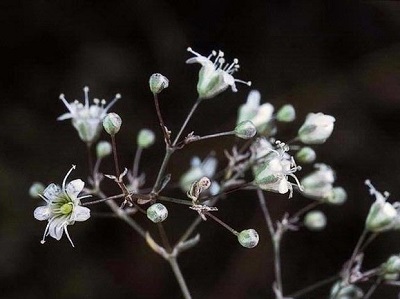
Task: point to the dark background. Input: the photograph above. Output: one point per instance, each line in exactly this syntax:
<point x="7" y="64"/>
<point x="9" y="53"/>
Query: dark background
<point x="338" y="57"/>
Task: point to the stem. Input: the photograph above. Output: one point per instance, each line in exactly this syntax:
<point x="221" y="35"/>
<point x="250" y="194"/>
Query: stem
<point x="161" y="121"/>
<point x="189" y="230"/>
<point x="175" y="200"/>
<point x="186" y="121"/>
<point x="264" y="208"/>
<point x="216" y="135"/>
<point x="355" y="252"/>
<point x="179" y="277"/>
<point x="216" y="219"/>
<point x="114" y="148"/>
<point x="314" y="286"/>
<point x="277" y="263"/>
<point x="372" y="289"/>
<point x="306" y="209"/>
<point x="90" y="159"/>
<point x="136" y="161"/>
<point x="102" y="200"/>
<point x="168" y="153"/>
<point x="164" y="237"/>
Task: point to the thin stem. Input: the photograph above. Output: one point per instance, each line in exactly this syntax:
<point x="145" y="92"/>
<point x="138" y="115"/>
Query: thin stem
<point x="314" y="286"/>
<point x="189" y="230"/>
<point x="277" y="263"/>
<point x="355" y="252"/>
<point x="368" y="241"/>
<point x="136" y="161"/>
<point x="90" y="159"/>
<point x="216" y="219"/>
<point x="102" y="200"/>
<point x="114" y="148"/>
<point x="264" y="208"/>
<point x="179" y="277"/>
<point x="306" y="209"/>
<point x="161" y="121"/>
<point x="168" y="153"/>
<point x="186" y="121"/>
<point x="372" y="289"/>
<point x="175" y="200"/>
<point x="216" y="135"/>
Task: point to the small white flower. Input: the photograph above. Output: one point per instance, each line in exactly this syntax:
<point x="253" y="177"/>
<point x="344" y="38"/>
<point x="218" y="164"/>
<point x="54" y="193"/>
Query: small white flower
<point x="63" y="208"/>
<point x="259" y="115"/>
<point x="316" y="128"/>
<point x="199" y="169"/>
<point x="215" y="76"/>
<point x="319" y="183"/>
<point x="87" y="119"/>
<point x="273" y="172"/>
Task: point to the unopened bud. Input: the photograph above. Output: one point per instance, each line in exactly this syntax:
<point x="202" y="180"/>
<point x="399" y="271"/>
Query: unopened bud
<point x="157" y="83"/>
<point x="245" y="130"/>
<point x="112" y="123"/>
<point x="315" y="220"/>
<point x="316" y="129"/>
<point x="248" y="238"/>
<point x="286" y="113"/>
<point x="381" y="217"/>
<point x="392" y="265"/>
<point x="145" y="138"/>
<point x="36" y="189"/>
<point x="157" y="213"/>
<point x="306" y="155"/>
<point x="103" y="149"/>
<point x="337" y="196"/>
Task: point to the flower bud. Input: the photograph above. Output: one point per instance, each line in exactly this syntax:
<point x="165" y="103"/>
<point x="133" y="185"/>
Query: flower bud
<point x="391" y="276"/>
<point x="157" y="213"/>
<point x="315" y="220"/>
<point x="145" y="138"/>
<point x="318" y="184"/>
<point x="392" y="265"/>
<point x="103" y="149"/>
<point x="112" y="123"/>
<point x="36" y="189"/>
<point x="286" y="113"/>
<point x="337" y="196"/>
<point x="306" y="155"/>
<point x="346" y="291"/>
<point x="157" y="83"/>
<point x="381" y="217"/>
<point x="316" y="129"/>
<point x="245" y="130"/>
<point x="248" y="238"/>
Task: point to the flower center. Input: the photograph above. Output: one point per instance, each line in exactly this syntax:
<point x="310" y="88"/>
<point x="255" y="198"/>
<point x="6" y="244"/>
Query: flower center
<point x="66" y="208"/>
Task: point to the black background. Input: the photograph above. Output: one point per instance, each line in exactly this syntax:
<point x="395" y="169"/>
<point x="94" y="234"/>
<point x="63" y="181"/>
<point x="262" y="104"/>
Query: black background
<point x="337" y="57"/>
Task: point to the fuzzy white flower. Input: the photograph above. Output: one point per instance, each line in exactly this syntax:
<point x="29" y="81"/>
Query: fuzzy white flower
<point x="275" y="169"/>
<point x="87" y="119"/>
<point x="63" y="208"/>
<point x="215" y="76"/>
<point x="259" y="115"/>
<point x="319" y="183"/>
<point x="199" y="169"/>
<point x="316" y="128"/>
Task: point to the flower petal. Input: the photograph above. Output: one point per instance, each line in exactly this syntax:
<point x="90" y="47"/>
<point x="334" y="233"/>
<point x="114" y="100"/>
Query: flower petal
<point x="56" y="227"/>
<point x="74" y="188"/>
<point x="42" y="213"/>
<point x="201" y="59"/>
<point x="80" y="214"/>
<point x="52" y="192"/>
<point x="65" y="116"/>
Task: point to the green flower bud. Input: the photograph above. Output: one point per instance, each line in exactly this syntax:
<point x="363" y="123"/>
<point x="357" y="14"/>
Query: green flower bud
<point x="112" y="123"/>
<point x="157" y="213"/>
<point x="381" y="217"/>
<point x="391" y="276"/>
<point x="343" y="291"/>
<point x="145" y="138"/>
<point x="315" y="220"/>
<point x="36" y="189"/>
<point x="337" y="196"/>
<point x="157" y="83"/>
<point x="245" y="130"/>
<point x="306" y="155"/>
<point x="392" y="265"/>
<point x="286" y="113"/>
<point x="248" y="238"/>
<point x="103" y="149"/>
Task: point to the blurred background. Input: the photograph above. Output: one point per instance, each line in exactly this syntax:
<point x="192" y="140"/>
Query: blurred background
<point x="338" y="57"/>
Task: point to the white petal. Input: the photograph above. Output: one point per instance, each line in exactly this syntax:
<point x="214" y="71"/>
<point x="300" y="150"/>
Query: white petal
<point x="42" y="213"/>
<point x="283" y="186"/>
<point x="201" y="59"/>
<point x="52" y="192"/>
<point x="65" y="116"/>
<point x="74" y="188"/>
<point x="80" y="214"/>
<point x="56" y="227"/>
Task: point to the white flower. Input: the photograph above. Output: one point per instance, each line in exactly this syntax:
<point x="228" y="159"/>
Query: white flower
<point x="199" y="169"/>
<point x="63" y="208"/>
<point x="273" y="172"/>
<point x="259" y="115"/>
<point x="87" y="119"/>
<point x="316" y="128"/>
<point x="215" y="76"/>
<point x="319" y="183"/>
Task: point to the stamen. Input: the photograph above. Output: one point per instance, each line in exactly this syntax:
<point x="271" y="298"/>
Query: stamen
<point x="67" y="234"/>
<point x="248" y="83"/>
<point x="62" y="98"/>
<point x="189" y="49"/>
<point x="65" y="178"/>
<point x="45" y="233"/>
<point x="86" y="91"/>
<point x="116" y="98"/>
